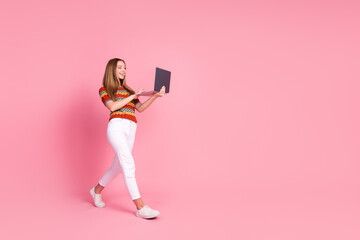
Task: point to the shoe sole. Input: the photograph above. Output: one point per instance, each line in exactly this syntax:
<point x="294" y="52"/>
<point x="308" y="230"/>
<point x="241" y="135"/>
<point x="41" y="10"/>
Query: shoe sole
<point x="153" y="216"/>
<point x="92" y="194"/>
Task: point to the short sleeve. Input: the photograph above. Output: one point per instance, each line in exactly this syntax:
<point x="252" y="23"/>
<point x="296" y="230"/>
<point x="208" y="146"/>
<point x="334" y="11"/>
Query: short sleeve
<point x="104" y="96"/>
<point x="135" y="101"/>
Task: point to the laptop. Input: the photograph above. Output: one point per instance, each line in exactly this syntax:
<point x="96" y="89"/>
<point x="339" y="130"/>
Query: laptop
<point x="162" y="78"/>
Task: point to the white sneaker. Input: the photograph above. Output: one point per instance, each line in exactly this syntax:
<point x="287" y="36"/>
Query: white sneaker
<point x="97" y="198"/>
<point x="147" y="212"/>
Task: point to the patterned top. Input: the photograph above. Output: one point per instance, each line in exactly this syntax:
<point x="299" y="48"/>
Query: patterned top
<point x="127" y="111"/>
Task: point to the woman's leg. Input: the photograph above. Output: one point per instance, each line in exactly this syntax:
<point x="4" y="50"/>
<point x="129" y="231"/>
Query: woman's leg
<point x="131" y="139"/>
<point x="109" y="175"/>
<point x="118" y="135"/>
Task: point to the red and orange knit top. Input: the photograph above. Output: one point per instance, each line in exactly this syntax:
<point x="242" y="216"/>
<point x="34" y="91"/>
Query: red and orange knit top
<point x="127" y="111"/>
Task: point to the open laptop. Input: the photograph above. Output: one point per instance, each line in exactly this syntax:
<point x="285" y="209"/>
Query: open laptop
<point x="162" y="78"/>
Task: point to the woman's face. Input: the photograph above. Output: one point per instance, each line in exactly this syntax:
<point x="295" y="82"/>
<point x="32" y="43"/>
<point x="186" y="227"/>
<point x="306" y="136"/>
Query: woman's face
<point x="121" y="69"/>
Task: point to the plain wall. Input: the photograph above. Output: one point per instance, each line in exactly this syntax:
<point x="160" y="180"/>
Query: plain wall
<point x="258" y="138"/>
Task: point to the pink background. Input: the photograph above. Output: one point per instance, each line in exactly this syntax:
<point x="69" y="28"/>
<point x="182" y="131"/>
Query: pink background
<point x="258" y="138"/>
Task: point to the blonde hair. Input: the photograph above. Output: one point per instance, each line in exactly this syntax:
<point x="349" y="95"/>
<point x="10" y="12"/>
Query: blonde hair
<point x="111" y="81"/>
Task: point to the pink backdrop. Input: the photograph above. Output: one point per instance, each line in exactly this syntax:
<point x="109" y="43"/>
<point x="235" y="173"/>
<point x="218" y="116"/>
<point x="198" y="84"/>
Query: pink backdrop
<point x="257" y="140"/>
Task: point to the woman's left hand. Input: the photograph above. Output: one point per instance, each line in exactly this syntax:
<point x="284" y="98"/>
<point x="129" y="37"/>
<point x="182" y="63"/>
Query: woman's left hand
<point x="161" y="93"/>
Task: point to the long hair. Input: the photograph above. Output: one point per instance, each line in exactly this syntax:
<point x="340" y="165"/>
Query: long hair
<point x="112" y="82"/>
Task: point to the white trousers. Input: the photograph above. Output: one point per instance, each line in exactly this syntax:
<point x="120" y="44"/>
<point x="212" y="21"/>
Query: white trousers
<point x="121" y="135"/>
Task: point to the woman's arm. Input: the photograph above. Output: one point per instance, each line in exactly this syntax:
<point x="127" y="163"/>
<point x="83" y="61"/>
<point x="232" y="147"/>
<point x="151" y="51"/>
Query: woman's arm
<point x="140" y="107"/>
<point x="115" y="105"/>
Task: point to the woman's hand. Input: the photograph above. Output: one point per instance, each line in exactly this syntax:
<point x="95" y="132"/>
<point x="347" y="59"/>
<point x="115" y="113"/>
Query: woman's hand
<point x="150" y="100"/>
<point x="161" y="93"/>
<point x="136" y="95"/>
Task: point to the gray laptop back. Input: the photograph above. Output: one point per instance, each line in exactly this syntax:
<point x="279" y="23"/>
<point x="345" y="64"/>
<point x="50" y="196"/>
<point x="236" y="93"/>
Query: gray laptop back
<point x="162" y="78"/>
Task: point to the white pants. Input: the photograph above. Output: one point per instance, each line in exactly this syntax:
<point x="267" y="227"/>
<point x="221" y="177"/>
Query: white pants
<point x="121" y="135"/>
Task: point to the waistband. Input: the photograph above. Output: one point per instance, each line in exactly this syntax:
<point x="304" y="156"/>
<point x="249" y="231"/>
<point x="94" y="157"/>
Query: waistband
<point x="121" y="119"/>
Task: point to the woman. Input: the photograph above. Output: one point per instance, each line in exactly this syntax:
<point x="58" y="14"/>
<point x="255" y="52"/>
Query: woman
<point x="122" y="101"/>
